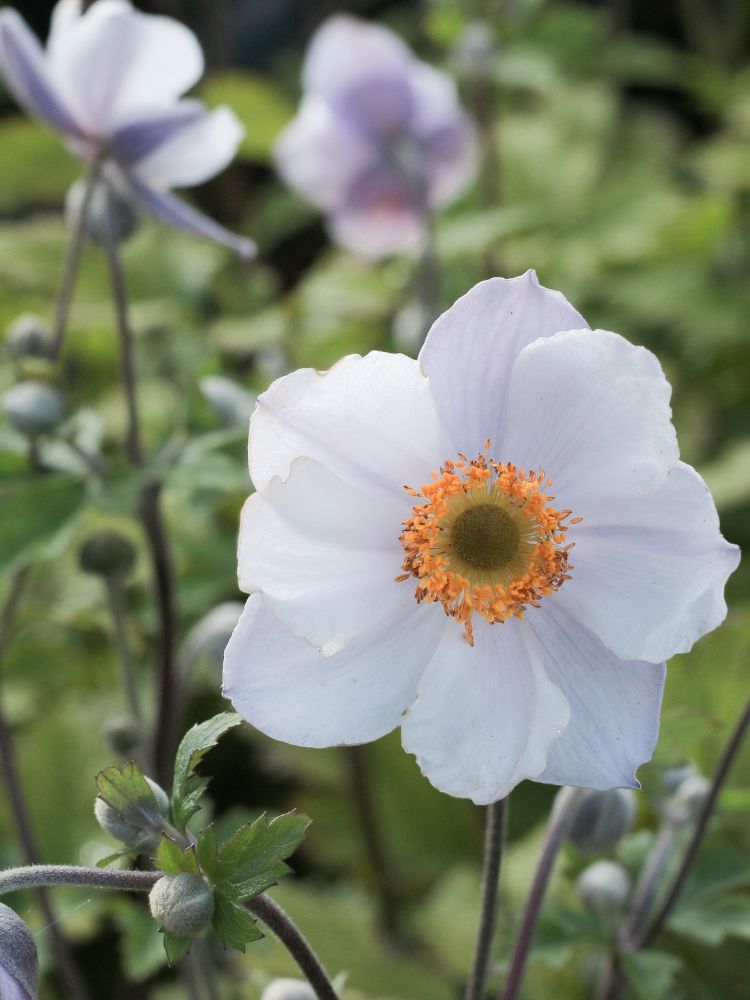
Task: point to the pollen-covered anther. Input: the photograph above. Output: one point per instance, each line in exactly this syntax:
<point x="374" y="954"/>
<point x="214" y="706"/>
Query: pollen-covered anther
<point x="485" y="539"/>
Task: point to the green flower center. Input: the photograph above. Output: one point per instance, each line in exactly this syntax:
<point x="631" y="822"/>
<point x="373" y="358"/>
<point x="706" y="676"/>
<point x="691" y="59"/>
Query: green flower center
<point x="485" y="536"/>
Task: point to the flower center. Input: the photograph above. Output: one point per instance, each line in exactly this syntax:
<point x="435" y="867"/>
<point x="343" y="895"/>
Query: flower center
<point x="484" y="538"/>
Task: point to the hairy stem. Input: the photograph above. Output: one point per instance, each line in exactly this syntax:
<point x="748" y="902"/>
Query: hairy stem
<point x="494" y="840"/>
<point x="557" y="830"/>
<point x="34" y="876"/>
<point x="282" y="926"/>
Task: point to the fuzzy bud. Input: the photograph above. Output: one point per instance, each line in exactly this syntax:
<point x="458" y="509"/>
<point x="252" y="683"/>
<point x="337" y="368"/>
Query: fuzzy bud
<point x="232" y="403"/>
<point x="182" y="904"/>
<point x="288" y="989"/>
<point x="144" y="838"/>
<point x="123" y="735"/>
<point x="601" y="819"/>
<point x="687" y="802"/>
<point x="33" y="407"/>
<point x="19" y="968"/>
<point x="28" y="337"/>
<point x="107" y="553"/>
<point x="603" y="887"/>
<point x="107" y="207"/>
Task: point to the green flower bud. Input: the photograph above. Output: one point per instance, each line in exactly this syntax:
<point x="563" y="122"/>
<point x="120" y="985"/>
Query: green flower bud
<point x="105" y="200"/>
<point x="182" y="904"/>
<point x="19" y="969"/>
<point x="601" y="819"/>
<point x="107" y="553"/>
<point x="288" y="989"/>
<point x="143" y="838"/>
<point x="33" y="407"/>
<point x="603" y="887"/>
<point x="28" y="337"/>
<point x="123" y="735"/>
<point x="687" y="802"/>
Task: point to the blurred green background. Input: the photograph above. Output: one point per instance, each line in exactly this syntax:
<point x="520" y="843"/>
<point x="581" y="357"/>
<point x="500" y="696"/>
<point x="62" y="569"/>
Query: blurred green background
<point x="618" y="166"/>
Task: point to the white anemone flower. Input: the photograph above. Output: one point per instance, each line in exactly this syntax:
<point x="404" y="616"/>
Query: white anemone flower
<point x="457" y="607"/>
<point x="110" y="82"/>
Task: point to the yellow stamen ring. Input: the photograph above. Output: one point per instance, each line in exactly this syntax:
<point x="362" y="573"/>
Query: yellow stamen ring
<point x="485" y="539"/>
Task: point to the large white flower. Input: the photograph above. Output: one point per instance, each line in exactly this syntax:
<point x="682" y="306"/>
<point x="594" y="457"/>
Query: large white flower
<point x="458" y="608"/>
<point x="110" y="82"/>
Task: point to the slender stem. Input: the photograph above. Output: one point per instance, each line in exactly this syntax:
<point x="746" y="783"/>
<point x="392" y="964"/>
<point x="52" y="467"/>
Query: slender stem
<point x="113" y="587"/>
<point x="34" y="876"/>
<point x="648" y="882"/>
<point x="557" y="830"/>
<point x="295" y="943"/>
<point x="494" y="840"/>
<point x="372" y="838"/>
<point x="72" y="261"/>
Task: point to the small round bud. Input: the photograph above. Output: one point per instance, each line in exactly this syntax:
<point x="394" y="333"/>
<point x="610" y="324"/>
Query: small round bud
<point x="182" y="904"/>
<point x="28" y="337"/>
<point x="33" y="407"/>
<point x="232" y="403"/>
<point x="288" y="989"/>
<point x="19" y="969"/>
<point x="209" y="636"/>
<point x="603" y="887"/>
<point x="687" y="802"/>
<point x="107" y="207"/>
<point x="146" y="837"/>
<point x="123" y="735"/>
<point x="601" y="819"/>
<point x="107" y="553"/>
<point x="673" y="777"/>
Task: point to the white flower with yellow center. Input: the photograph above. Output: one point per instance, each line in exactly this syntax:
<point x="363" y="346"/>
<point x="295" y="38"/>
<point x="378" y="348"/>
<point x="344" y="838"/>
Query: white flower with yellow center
<point x="495" y="547"/>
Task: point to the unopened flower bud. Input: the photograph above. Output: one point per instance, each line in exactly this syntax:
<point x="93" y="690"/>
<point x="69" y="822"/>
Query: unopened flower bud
<point x="688" y="800"/>
<point x="123" y="735"/>
<point x="19" y="968"/>
<point x="601" y="819"/>
<point x="144" y="838"/>
<point x="182" y="904"/>
<point x="33" y="407"/>
<point x="28" y="337"/>
<point x="603" y="887"/>
<point x="107" y="208"/>
<point x="232" y="403"/>
<point x="288" y="989"/>
<point x="673" y="777"/>
<point x="107" y="553"/>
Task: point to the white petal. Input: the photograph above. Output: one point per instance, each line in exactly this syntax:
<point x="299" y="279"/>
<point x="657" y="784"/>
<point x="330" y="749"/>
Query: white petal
<point x="64" y="16"/>
<point x="593" y="411"/>
<point x="26" y="74"/>
<point x="371" y="420"/>
<point x="290" y="691"/>
<point x="614" y="704"/>
<point x="118" y="61"/>
<point x="324" y="554"/>
<point x="381" y="214"/>
<point x="485" y="716"/>
<point x="134" y="141"/>
<point x="190" y="155"/>
<point x="470" y="350"/>
<point x="318" y="155"/>
<point x="649" y="571"/>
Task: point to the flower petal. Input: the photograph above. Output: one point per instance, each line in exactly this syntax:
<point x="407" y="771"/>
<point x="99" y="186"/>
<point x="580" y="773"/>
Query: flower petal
<point x="593" y="411"/>
<point x="649" y="571"/>
<point x="26" y="74"/>
<point x="290" y="691"/>
<point x="470" y="350"/>
<point x="180" y="215"/>
<point x="381" y="213"/>
<point x="485" y="716"/>
<point x="614" y="704"/>
<point x="324" y="555"/>
<point x="118" y="61"/>
<point x="134" y="140"/>
<point x="370" y="420"/>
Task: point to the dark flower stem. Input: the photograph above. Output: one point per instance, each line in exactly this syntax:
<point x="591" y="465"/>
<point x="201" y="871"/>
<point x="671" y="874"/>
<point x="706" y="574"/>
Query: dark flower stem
<point x="557" y="830"/>
<point x="494" y="841"/>
<point x="19" y="811"/>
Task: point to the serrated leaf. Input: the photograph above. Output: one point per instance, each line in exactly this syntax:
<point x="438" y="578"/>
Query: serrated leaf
<point x="126" y="791"/>
<point x="233" y="925"/>
<point x="173" y="859"/>
<point x="650" y="973"/>
<point x="709" y="923"/>
<point x="251" y="887"/>
<point x="175" y="946"/>
<point x="208" y="852"/>
<point x="261" y="845"/>
<point x="194" y="746"/>
<point x="116" y="856"/>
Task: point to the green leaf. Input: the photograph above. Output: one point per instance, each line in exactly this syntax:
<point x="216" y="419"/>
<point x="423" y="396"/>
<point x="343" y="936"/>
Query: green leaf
<point x="175" y="946"/>
<point x="208" y="852"/>
<point x="710" y="923"/>
<point x="116" y="856"/>
<point x="251" y="887"/>
<point x="257" y="103"/>
<point x="194" y="746"/>
<point x="35" y="168"/>
<point x="35" y="511"/>
<point x="261" y="845"/>
<point x="233" y="925"/>
<point x="650" y="973"/>
<point x="173" y="859"/>
<point x="126" y="790"/>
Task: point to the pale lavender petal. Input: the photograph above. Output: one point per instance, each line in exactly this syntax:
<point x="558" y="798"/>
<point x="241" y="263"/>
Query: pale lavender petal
<point x="382" y="213"/>
<point x="23" y="67"/>
<point x="134" y="140"/>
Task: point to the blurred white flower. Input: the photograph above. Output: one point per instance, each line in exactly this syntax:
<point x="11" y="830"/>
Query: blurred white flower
<point x="110" y="82"/>
<point x="380" y="138"/>
<point x="521" y="657"/>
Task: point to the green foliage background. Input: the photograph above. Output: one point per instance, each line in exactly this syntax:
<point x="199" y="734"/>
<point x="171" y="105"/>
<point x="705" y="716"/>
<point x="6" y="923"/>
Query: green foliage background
<point x="643" y="221"/>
